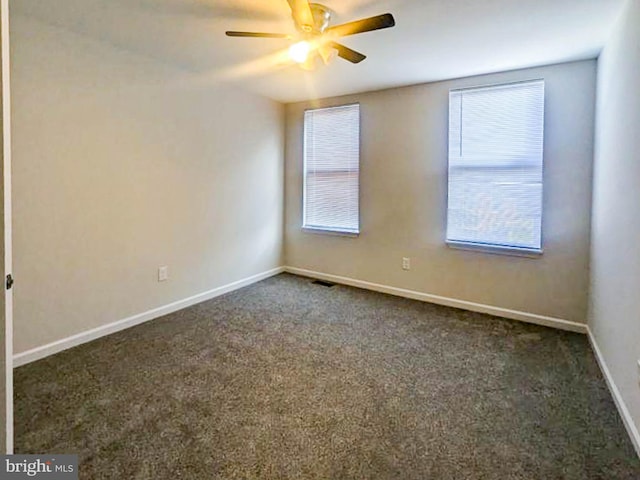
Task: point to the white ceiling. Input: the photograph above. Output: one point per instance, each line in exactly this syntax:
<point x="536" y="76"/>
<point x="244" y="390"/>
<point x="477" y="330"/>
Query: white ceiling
<point x="432" y="40"/>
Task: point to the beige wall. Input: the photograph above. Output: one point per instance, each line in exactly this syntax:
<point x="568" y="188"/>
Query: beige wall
<point x="403" y="199"/>
<point x="615" y="283"/>
<point x="122" y="164"/>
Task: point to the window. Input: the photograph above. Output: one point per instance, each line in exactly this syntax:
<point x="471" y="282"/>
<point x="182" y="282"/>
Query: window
<point x="331" y="169"/>
<point x="495" y="168"/>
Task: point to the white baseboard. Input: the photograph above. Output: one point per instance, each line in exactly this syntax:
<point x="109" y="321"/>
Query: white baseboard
<point x="629" y="424"/>
<point x="88" y="335"/>
<point x="450" y="302"/>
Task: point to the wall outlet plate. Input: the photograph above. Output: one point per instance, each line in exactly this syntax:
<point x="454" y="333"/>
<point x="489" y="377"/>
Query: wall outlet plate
<point x="406" y="263"/>
<point x="163" y="273"/>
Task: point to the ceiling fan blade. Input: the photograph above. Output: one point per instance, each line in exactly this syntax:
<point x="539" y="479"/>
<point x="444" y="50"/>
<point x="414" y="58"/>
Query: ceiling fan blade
<point x="347" y="53"/>
<point x="365" y="25"/>
<point x="302" y="15"/>
<point x="257" y="34"/>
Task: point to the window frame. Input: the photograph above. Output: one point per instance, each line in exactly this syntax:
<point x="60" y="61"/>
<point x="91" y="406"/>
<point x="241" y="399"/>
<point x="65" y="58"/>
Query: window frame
<point x="490" y="247"/>
<point x="337" y="231"/>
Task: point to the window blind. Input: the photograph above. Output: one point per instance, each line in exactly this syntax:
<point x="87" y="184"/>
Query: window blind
<point x="495" y="166"/>
<point x="332" y="169"/>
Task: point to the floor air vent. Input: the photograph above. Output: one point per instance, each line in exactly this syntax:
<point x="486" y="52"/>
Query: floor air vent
<point x="323" y="283"/>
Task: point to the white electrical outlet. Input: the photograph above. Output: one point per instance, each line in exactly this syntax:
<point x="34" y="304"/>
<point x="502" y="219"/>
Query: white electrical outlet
<point x="163" y="273"/>
<point x="406" y="263"/>
<point x="639" y="373"/>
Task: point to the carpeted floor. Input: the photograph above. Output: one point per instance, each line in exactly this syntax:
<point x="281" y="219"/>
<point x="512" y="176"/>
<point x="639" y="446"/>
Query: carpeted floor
<point x="290" y="380"/>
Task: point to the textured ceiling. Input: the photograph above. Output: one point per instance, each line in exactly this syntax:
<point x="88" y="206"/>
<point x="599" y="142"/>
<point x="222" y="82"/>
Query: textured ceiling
<point x="432" y="40"/>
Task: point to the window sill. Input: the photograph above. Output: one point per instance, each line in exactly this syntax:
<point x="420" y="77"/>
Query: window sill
<point x="327" y="231"/>
<point x="495" y="249"/>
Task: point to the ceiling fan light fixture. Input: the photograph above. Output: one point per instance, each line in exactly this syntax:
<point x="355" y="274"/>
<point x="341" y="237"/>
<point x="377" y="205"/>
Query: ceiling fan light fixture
<point x="300" y="51"/>
<point x="318" y="37"/>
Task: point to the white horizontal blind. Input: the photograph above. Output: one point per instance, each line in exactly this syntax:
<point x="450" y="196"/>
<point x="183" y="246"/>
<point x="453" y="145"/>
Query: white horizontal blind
<point x="495" y="165"/>
<point x="332" y="168"/>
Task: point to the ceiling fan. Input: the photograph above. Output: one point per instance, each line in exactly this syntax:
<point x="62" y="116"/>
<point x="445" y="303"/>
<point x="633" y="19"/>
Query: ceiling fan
<point x="317" y="36"/>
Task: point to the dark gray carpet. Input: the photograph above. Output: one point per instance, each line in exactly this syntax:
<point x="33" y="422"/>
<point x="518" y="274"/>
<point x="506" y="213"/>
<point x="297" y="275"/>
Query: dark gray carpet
<point x="285" y="379"/>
